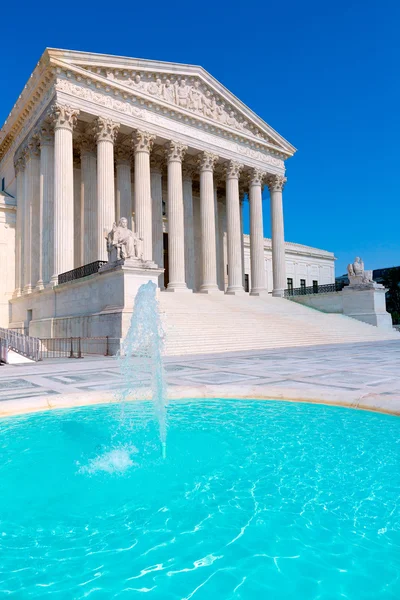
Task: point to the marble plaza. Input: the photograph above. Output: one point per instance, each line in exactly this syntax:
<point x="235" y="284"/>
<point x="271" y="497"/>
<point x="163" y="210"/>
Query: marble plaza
<point x="354" y="375"/>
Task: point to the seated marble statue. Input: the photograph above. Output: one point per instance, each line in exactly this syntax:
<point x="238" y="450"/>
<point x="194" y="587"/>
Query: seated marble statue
<point x="123" y="243"/>
<point x="357" y="274"/>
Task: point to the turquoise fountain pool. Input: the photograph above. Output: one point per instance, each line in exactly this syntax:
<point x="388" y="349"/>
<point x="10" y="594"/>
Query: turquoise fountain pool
<point x="255" y="500"/>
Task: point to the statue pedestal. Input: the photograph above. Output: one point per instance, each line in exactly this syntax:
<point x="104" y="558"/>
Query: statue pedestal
<point x="94" y="306"/>
<point x="367" y="303"/>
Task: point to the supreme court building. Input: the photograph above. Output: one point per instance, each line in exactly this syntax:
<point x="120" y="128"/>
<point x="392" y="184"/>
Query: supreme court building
<point x="93" y="138"/>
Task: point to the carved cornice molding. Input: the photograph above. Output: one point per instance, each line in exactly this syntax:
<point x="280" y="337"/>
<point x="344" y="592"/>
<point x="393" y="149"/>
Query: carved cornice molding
<point x="105" y="130"/>
<point x="63" y="116"/>
<point x="142" y="141"/>
<point x="207" y="161"/>
<point x="276" y="183"/>
<point x="122" y="154"/>
<point x="232" y="169"/>
<point x="175" y="151"/>
<point x="257" y="177"/>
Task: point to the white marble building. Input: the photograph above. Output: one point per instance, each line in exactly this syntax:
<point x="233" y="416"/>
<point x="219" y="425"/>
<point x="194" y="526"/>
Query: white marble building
<point x="93" y="138"/>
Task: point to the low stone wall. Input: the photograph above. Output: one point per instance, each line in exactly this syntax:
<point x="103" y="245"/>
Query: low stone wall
<point x="367" y="304"/>
<point x="328" y="303"/>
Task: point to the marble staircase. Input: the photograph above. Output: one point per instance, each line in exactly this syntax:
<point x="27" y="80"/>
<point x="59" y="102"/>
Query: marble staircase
<point x="202" y="324"/>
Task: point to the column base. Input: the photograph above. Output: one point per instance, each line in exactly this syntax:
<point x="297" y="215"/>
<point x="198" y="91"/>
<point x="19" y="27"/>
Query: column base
<point x="53" y="281"/>
<point x="278" y="293"/>
<point x="178" y="289"/>
<point x="260" y="293"/>
<point x="17" y="293"/>
<point x="27" y="289"/>
<point x="212" y="289"/>
<point x="39" y="286"/>
<point x="235" y="291"/>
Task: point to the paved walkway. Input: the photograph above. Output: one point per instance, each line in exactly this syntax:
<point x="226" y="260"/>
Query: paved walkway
<point x="365" y="375"/>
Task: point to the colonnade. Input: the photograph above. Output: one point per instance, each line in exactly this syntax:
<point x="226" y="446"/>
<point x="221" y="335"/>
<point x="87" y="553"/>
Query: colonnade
<point x="47" y="217"/>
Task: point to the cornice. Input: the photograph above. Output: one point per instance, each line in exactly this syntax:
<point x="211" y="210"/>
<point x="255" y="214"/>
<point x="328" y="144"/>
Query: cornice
<point x="25" y="110"/>
<point x="293" y="248"/>
<point x="56" y="63"/>
<point x="167" y="124"/>
<point x="97" y="64"/>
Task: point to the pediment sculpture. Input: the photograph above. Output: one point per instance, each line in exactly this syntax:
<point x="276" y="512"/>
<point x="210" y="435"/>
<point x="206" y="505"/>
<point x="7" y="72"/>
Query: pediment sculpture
<point x="358" y="276"/>
<point x="122" y="243"/>
<point x="193" y="96"/>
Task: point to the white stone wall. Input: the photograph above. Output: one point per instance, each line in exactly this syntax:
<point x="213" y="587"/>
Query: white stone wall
<point x="302" y="262"/>
<point x="7" y="255"/>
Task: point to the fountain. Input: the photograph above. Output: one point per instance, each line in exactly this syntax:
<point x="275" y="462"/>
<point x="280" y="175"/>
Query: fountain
<point x="141" y="359"/>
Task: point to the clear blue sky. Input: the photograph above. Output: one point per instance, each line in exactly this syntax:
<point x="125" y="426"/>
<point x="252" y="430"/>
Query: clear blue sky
<point x="324" y="74"/>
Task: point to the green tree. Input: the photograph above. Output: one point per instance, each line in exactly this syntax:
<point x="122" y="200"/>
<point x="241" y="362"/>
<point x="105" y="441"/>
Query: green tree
<point x="391" y="280"/>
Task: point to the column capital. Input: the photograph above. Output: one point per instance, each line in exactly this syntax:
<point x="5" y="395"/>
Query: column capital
<point x="19" y="162"/>
<point x="142" y="141"/>
<point x="122" y="154"/>
<point x="157" y="162"/>
<point x="276" y="183"/>
<point x="105" y="130"/>
<point x="232" y="169"/>
<point x="175" y="151"/>
<point x="257" y="177"/>
<point x="87" y="142"/>
<point x="45" y="134"/>
<point x="32" y="149"/>
<point x="207" y="160"/>
<point x="63" y="116"/>
<point x="188" y="171"/>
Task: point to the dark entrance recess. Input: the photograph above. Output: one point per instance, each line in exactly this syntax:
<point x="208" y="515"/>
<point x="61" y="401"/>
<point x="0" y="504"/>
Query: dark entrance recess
<point x="166" y="272"/>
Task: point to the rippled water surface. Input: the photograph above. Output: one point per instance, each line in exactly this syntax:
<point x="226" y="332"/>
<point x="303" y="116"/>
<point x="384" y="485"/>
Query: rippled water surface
<point x="256" y="500"/>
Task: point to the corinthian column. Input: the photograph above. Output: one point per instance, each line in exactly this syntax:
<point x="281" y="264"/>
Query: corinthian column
<point x="32" y="215"/>
<point x="156" y="165"/>
<point x="124" y="186"/>
<point x="187" y="175"/>
<point x="46" y="137"/>
<point x="175" y="151"/>
<point x="64" y="119"/>
<point x="209" y="284"/>
<point x="258" y="278"/>
<point x="19" y="167"/>
<point x="89" y="197"/>
<point x="105" y="132"/>
<point x="276" y="184"/>
<point x="235" y="279"/>
<point x="142" y="144"/>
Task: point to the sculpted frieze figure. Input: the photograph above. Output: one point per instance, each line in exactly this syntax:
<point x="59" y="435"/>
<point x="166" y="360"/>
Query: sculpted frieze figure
<point x="168" y="92"/>
<point x="155" y="87"/>
<point x="122" y="243"/>
<point x="196" y="97"/>
<point x="182" y="94"/>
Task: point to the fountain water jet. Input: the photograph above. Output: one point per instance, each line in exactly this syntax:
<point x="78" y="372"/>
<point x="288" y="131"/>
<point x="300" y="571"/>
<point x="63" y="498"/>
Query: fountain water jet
<point x="141" y="357"/>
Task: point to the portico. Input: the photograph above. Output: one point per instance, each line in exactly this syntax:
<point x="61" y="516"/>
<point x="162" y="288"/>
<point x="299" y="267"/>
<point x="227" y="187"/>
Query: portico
<point x="94" y="138"/>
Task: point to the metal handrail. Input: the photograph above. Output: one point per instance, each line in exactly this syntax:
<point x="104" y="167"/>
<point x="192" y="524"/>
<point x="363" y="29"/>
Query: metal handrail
<point x="79" y="272"/>
<point x="25" y="345"/>
<point x="315" y="289"/>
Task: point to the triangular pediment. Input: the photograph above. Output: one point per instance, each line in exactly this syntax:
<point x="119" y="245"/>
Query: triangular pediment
<point x="185" y="88"/>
